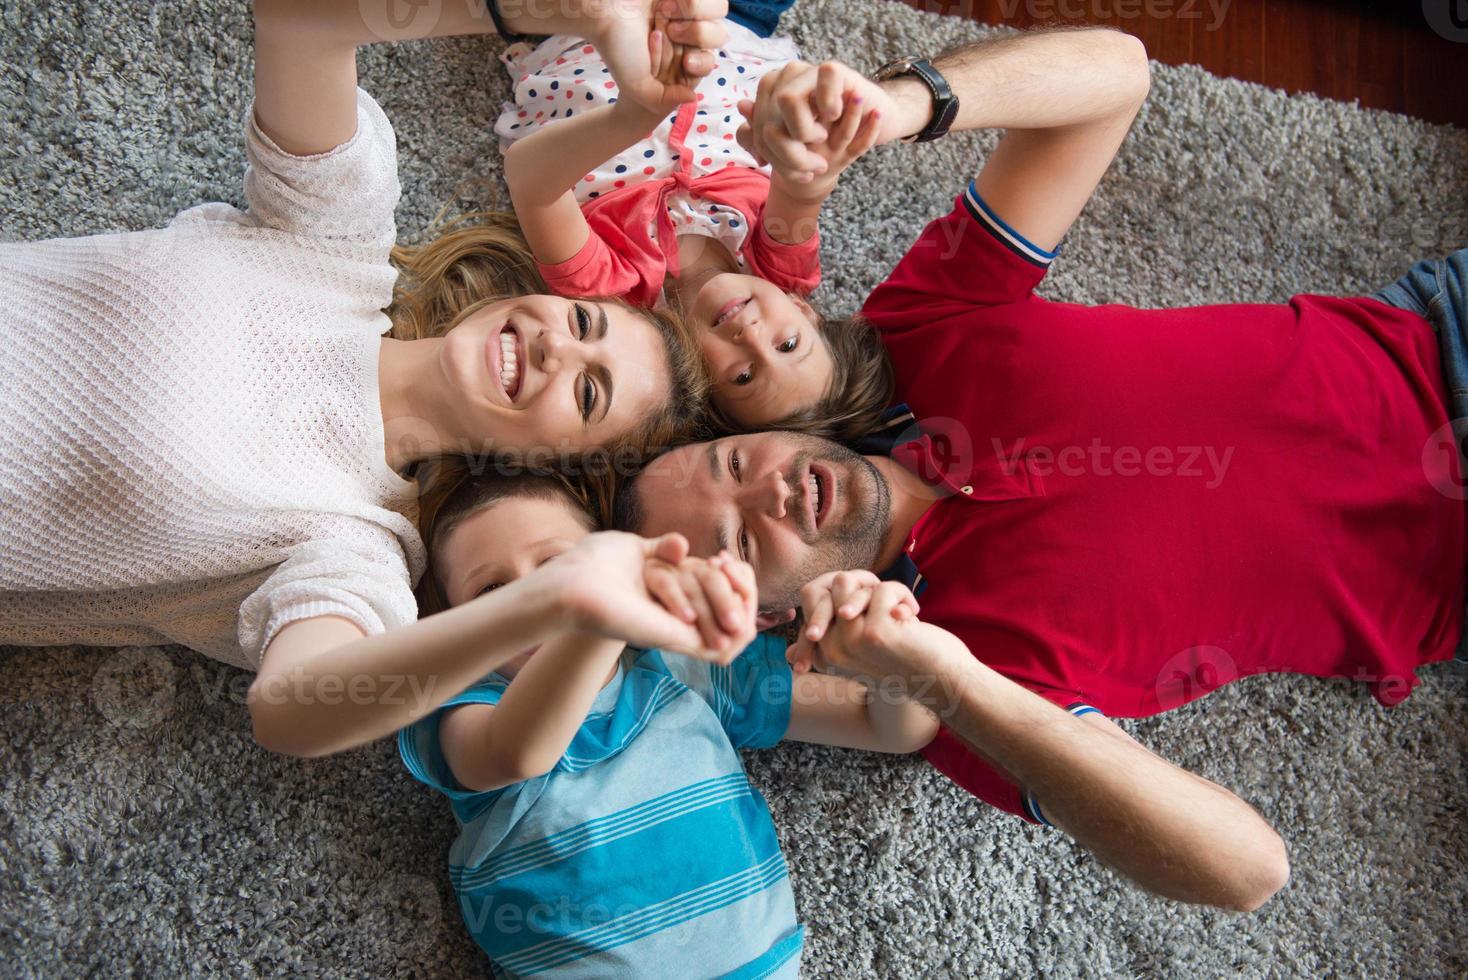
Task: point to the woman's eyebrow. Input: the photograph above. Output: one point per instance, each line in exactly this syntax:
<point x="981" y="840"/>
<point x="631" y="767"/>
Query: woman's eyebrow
<point x="603" y="373"/>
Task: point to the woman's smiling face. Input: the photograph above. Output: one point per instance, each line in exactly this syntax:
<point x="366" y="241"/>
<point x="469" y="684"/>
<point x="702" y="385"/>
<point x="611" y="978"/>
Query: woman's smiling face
<point x="554" y="374"/>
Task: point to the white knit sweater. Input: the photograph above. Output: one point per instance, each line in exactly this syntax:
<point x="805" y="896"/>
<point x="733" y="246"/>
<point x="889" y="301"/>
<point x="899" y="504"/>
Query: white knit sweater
<point x="191" y="445"/>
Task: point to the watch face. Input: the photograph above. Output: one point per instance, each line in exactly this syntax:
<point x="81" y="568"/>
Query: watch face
<point x="894" y="68"/>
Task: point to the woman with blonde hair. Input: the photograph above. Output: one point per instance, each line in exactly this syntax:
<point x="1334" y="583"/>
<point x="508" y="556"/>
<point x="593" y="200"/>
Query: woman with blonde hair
<point x="211" y="427"/>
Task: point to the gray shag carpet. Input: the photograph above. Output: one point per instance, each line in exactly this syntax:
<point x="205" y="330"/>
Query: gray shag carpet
<point x="141" y="830"/>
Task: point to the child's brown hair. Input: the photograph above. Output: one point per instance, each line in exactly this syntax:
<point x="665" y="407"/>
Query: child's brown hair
<point x="861" y="388"/>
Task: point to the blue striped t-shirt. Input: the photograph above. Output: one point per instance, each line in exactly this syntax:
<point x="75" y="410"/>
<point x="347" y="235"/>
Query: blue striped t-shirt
<point x="645" y="851"/>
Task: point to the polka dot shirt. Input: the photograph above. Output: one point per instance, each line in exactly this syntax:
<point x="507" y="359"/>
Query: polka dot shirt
<point x="564" y="75"/>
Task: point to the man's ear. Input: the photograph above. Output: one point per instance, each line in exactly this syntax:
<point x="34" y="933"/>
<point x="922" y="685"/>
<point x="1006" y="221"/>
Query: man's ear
<point x="769" y="620"/>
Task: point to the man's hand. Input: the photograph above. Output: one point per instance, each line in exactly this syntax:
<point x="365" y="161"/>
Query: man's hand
<point x="859" y="626"/>
<point x="717" y="595"/>
<point x="642" y="591"/>
<point x="850" y="136"/>
<point x="796" y="108"/>
<point x="622" y="32"/>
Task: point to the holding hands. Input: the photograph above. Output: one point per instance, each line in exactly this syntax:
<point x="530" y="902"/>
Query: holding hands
<point x="857" y="625"/>
<point x="656" y="50"/>
<point x="650" y="593"/>
<point x="811" y="122"/>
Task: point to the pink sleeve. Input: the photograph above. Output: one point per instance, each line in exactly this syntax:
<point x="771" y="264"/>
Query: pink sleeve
<point x="599" y="269"/>
<point x="792" y="267"/>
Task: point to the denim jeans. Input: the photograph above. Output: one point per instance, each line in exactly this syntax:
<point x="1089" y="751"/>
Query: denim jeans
<point x="760" y="16"/>
<point x="1438" y="291"/>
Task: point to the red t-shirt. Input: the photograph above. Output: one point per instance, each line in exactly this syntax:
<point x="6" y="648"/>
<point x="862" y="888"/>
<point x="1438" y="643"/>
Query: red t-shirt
<point x="1148" y="504"/>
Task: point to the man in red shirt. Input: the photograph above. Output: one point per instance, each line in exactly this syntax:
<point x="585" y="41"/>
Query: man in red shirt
<point x="1114" y="510"/>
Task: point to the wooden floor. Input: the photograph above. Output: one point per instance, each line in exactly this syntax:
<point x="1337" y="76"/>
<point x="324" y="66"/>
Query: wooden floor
<point x="1384" y="54"/>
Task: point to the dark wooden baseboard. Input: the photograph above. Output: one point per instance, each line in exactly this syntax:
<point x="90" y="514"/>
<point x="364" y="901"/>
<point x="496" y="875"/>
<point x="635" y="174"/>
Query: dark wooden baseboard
<point x="1385" y="54"/>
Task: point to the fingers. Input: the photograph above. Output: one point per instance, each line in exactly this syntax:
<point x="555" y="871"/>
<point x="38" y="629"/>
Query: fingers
<point x="727" y="606"/>
<point x="703" y="34"/>
<point x="830" y="91"/>
<point x="697" y="62"/>
<point x="671" y="548"/>
<point x="845" y="128"/>
<point x="663" y="585"/>
<point x="818" y="617"/>
<point x="799" y="117"/>
<point x="706" y="619"/>
<point x="892" y="600"/>
<point x="851" y="591"/>
<point x="866" y="135"/>
<point x="741" y="579"/>
<point x="800" y="656"/>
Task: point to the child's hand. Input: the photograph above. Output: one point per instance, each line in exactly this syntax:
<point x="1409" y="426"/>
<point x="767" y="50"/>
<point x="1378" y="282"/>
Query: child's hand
<point x="718" y="596"/>
<point x="599" y="587"/>
<point x="663" y="76"/>
<point x="854" y="624"/>
<point x="849" y="136"/>
<point x="796" y="107"/>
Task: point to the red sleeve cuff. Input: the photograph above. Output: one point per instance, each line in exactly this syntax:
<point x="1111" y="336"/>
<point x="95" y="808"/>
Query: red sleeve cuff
<point x="792" y="267"/>
<point x="596" y="271"/>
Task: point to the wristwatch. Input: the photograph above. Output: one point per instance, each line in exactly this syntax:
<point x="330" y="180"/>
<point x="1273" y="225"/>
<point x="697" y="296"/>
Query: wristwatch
<point x="945" y="103"/>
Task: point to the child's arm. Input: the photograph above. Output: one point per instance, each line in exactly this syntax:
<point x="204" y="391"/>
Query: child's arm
<point x="541" y="168"/>
<point x="528" y="731"/>
<point x="863" y="713"/>
<point x="794" y="204"/>
<point x="525" y="735"/>
<point x="830" y="710"/>
<point x="597" y="587"/>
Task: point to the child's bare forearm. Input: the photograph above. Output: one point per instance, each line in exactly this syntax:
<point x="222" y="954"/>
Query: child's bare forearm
<point x="526" y="734"/>
<point x="792" y="212"/>
<point x="545" y="165"/>
<point x="898" y="723"/>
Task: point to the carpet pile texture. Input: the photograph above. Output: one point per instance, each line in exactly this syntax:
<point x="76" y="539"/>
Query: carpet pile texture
<point x="141" y="830"/>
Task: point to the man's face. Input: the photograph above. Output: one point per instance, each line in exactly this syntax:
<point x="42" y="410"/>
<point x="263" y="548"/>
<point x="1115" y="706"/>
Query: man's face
<point x="793" y="506"/>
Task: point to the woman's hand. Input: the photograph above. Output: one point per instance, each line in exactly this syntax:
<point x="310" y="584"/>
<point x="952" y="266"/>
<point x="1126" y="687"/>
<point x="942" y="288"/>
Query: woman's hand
<point x="602" y="587"/>
<point x="717" y="595"/>
<point x="623" y="30"/>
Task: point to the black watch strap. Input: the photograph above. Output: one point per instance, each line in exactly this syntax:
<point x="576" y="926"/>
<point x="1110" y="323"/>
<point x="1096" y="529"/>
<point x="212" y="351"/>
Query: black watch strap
<point x="499" y="23"/>
<point x="945" y="103"/>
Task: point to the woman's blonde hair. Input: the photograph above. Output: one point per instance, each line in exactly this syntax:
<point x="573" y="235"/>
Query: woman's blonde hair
<point x="861" y="389"/>
<point x="483" y="258"/>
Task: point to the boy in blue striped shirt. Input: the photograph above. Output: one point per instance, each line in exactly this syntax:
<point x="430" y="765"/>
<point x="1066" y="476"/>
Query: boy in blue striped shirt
<point x="606" y="824"/>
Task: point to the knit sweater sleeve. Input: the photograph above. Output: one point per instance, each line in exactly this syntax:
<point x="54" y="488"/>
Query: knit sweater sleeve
<point x="365" y="585"/>
<point x="348" y="193"/>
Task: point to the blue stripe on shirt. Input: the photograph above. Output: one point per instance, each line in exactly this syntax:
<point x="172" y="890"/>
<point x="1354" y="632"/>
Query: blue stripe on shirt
<point x="709" y="845"/>
<point x="1011" y="239"/>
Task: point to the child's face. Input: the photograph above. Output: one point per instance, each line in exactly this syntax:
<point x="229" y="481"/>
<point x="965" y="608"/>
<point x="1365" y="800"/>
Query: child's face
<point x="761" y="347"/>
<point x="501" y="543"/>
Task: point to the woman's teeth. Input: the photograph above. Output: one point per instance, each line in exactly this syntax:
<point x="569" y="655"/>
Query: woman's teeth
<point x="509" y="364"/>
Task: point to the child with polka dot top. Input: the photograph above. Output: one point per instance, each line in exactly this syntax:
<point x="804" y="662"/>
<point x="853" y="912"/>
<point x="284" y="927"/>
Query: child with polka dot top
<point x="661" y="204"/>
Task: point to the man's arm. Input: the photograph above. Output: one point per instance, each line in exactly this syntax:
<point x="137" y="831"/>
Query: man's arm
<point x="1169" y="830"/>
<point x="1067" y="99"/>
